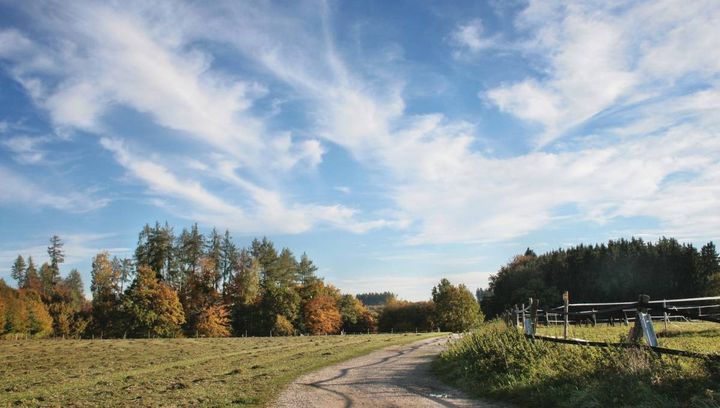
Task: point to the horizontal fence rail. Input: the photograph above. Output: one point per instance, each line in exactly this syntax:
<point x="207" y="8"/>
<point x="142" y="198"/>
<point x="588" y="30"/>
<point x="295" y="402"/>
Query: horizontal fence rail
<point x="641" y="313"/>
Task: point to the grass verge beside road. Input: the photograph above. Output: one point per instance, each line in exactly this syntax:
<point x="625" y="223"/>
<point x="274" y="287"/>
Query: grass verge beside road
<point x="498" y="362"/>
<point x="171" y="372"/>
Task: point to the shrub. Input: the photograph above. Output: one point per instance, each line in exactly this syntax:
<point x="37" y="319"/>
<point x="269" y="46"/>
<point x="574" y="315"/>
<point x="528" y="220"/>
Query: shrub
<point x="499" y="362"/>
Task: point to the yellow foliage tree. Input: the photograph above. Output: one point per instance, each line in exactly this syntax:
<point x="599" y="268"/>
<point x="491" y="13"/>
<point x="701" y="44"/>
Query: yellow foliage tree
<point x="214" y="321"/>
<point x="282" y="326"/>
<point x="322" y="315"/>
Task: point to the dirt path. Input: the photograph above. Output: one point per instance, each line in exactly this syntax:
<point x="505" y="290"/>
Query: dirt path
<point x="398" y="376"/>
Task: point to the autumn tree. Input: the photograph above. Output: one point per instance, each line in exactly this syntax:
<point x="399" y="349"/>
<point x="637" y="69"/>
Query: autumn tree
<point x="456" y="308"/>
<point x="199" y="293"/>
<point x="105" y="288"/>
<point x="321" y="315"/>
<point x="214" y="321"/>
<point x="39" y="323"/>
<point x="355" y="316"/>
<point x="151" y="307"/>
<point x="67" y="306"/>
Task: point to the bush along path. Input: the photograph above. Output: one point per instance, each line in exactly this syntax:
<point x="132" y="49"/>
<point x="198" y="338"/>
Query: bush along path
<point x="497" y="361"/>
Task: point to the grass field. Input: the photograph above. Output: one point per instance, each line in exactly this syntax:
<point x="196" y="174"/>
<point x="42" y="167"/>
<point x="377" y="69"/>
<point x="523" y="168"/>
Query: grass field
<point x="499" y="362"/>
<point x="170" y="372"/>
<point x="702" y="337"/>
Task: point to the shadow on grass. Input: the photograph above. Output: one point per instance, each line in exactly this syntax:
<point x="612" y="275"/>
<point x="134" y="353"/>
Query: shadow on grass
<point x="690" y="333"/>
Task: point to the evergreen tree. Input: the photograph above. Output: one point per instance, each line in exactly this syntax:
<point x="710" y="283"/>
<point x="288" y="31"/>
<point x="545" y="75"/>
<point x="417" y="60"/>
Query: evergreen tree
<point x="48" y="279"/>
<point x="32" y="279"/>
<point x="155" y="249"/>
<point x="306" y="271"/>
<point x="285" y="270"/>
<point x="18" y="271"/>
<point x="228" y="259"/>
<point x="57" y="256"/>
<point x="189" y="252"/>
<point x="266" y="255"/>
<point x="708" y="269"/>
<point x="215" y="254"/>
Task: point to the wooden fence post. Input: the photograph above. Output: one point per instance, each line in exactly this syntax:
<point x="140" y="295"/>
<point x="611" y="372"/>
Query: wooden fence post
<point x="566" y="301"/>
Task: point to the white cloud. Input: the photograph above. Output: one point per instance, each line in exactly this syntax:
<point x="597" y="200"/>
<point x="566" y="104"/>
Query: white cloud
<point x="593" y="63"/>
<point x="470" y="35"/>
<point x="16" y="189"/>
<point x="26" y="148"/>
<point x="453" y="193"/>
<point x="264" y="210"/>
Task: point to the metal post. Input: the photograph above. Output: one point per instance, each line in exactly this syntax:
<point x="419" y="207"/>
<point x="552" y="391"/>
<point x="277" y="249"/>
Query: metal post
<point x="665" y="314"/>
<point x="566" y="301"/>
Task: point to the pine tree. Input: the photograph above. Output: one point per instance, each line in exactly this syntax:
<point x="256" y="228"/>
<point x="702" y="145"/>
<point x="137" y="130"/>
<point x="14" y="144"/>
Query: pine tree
<point x="708" y="269"/>
<point x="228" y="259"/>
<point x="57" y="256"/>
<point x="215" y="253"/>
<point x="48" y="279"/>
<point x="155" y="249"/>
<point x="18" y="271"/>
<point x="266" y="255"/>
<point x="285" y="270"/>
<point x="306" y="271"/>
<point x="189" y="252"/>
<point x="32" y="279"/>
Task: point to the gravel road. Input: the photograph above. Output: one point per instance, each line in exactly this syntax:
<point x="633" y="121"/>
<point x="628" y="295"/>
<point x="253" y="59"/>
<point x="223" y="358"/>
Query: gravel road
<point x="398" y="376"/>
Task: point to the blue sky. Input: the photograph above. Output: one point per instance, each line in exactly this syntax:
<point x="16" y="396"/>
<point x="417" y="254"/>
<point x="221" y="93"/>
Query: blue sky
<point x="394" y="142"/>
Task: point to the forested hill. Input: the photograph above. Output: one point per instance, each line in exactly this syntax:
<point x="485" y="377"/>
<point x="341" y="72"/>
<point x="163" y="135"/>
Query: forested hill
<point x="616" y="271"/>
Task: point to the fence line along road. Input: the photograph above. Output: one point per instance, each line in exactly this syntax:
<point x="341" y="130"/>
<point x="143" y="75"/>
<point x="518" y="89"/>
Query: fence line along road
<point x="528" y="318"/>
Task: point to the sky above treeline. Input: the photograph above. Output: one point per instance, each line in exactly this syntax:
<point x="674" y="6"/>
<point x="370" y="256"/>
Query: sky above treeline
<point x="395" y="142"/>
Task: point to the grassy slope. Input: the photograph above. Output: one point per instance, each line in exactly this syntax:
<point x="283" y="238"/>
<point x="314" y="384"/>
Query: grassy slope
<point x="154" y="372"/>
<point x="499" y="363"/>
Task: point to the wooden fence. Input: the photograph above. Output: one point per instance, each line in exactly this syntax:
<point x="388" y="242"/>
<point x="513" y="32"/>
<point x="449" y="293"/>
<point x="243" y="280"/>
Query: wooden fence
<point x="641" y="312"/>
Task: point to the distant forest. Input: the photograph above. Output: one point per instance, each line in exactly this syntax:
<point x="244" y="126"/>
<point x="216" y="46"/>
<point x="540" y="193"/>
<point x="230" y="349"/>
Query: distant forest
<point x="617" y="271"/>
<point x="206" y="286"/>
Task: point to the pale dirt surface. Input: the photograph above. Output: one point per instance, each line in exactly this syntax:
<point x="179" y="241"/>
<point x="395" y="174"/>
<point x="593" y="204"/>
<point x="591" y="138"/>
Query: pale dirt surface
<point x="398" y="376"/>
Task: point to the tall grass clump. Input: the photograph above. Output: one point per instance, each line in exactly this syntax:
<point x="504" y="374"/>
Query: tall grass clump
<point x="499" y="362"/>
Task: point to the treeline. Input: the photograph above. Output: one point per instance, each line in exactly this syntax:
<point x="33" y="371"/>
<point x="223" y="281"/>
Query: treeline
<point x="195" y="285"/>
<point x="376" y="298"/>
<point x="616" y="271"/>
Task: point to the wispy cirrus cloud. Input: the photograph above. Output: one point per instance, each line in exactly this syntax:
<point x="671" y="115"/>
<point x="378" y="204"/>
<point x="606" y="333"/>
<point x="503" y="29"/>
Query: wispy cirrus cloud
<point x="17" y="189"/>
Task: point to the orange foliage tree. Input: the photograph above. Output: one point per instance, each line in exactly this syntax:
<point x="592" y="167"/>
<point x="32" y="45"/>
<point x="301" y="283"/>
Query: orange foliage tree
<point x="214" y="321"/>
<point x="322" y="315"/>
